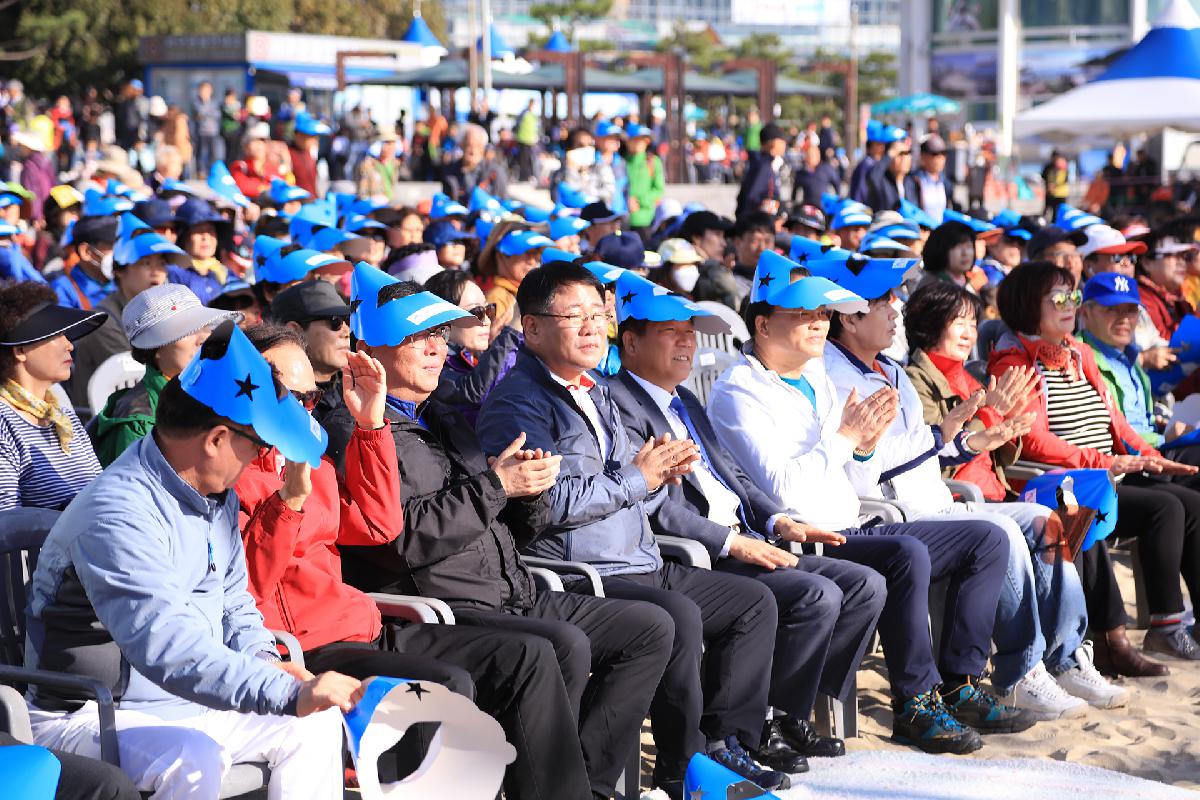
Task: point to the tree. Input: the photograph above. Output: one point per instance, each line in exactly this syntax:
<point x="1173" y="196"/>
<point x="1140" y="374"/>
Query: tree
<point x="702" y="47"/>
<point x="567" y="14"/>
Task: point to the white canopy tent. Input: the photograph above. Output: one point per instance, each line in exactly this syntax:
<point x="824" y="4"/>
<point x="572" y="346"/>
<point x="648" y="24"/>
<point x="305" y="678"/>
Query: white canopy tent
<point x="1154" y="85"/>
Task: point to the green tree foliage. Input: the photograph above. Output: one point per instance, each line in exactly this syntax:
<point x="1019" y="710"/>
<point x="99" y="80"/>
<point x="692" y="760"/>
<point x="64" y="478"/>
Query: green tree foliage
<point x="94" y="42"/>
<point x="567" y="14"/>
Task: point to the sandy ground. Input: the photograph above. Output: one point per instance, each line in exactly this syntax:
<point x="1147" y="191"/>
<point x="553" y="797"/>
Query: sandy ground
<point x="1156" y="736"/>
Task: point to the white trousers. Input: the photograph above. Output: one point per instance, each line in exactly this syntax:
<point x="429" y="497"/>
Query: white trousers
<point x="188" y="758"/>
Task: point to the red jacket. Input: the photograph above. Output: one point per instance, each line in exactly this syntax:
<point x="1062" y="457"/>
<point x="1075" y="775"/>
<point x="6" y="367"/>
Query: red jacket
<point x="1166" y="310"/>
<point x="1043" y="446"/>
<point x="295" y="571"/>
<point x="304" y="167"/>
<point x="253" y="182"/>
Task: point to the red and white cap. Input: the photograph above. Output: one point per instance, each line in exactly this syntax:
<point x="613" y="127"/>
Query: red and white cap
<point x="1106" y="239"/>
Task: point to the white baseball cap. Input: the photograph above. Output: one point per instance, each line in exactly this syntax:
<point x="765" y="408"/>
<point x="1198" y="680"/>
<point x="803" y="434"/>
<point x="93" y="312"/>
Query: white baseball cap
<point x="1109" y="240"/>
<point x="1169" y="245"/>
<point x="679" y="251"/>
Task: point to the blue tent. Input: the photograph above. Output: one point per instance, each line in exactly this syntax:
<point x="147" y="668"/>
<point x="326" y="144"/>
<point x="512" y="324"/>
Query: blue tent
<point x="419" y="33"/>
<point x="922" y="104"/>
<point x="500" y="48"/>
<point x="1154" y="84"/>
<point x="558" y="44"/>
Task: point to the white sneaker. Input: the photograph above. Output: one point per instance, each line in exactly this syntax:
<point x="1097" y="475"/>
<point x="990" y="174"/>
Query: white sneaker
<point x="1039" y="694"/>
<point x="1084" y="681"/>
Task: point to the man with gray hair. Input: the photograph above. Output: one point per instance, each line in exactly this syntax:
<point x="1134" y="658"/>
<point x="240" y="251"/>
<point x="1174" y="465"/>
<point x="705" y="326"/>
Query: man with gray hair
<point x="478" y="167"/>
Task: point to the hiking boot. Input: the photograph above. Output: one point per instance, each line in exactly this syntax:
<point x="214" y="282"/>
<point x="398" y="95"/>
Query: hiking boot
<point x="925" y="722"/>
<point x="777" y="753"/>
<point x="972" y="706"/>
<point x="734" y="757"/>
<point x="1173" y="641"/>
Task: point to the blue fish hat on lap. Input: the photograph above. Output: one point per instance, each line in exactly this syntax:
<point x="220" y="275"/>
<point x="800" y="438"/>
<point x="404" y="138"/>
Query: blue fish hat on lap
<point x="383" y="322"/>
<point x="781" y="282"/>
<point x="639" y="298"/>
<point x="233" y="379"/>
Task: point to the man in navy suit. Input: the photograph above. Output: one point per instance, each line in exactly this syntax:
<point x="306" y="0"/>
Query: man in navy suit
<point x="827" y="608"/>
<point x="760" y="184"/>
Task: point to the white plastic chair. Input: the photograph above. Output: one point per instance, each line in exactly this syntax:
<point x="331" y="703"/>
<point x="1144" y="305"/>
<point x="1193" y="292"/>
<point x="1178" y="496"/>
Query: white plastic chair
<point x="118" y="371"/>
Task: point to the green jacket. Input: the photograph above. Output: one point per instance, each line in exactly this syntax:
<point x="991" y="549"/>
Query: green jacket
<point x="127" y="416"/>
<point x="1109" y="374"/>
<point x="646" y="185"/>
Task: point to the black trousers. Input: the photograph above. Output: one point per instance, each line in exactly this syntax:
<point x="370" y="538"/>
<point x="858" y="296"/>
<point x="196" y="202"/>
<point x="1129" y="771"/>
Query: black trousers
<point x="717" y="678"/>
<point x="972" y="555"/>
<point x="612" y="654"/>
<point x="827" y="612"/>
<point x="1164" y="516"/>
<point x="85" y="778"/>
<point x="516" y="679"/>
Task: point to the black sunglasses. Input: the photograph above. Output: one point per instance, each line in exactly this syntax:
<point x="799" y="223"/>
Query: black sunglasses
<point x="310" y="398"/>
<point x="251" y="437"/>
<point x="335" y="323"/>
<point x="483" y="313"/>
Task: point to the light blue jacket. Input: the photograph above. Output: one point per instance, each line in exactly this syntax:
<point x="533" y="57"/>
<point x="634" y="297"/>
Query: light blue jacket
<point x="142" y="584"/>
<point x="599" y="505"/>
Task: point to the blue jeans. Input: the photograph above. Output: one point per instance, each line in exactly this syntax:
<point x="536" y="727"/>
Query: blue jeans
<point x="1041" y="614"/>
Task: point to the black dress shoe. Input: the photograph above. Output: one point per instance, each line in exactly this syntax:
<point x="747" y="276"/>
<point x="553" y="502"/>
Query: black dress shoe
<point x="776" y="753"/>
<point x="801" y="737"/>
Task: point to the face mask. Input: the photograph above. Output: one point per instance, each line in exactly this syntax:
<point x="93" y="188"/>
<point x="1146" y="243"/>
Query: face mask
<point x="686" y="277"/>
<point x="106" y="266"/>
<point x="582" y="156"/>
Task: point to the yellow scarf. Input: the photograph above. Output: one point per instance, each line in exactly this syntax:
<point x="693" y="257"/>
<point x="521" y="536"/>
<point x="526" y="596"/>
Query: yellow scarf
<point x="203" y="266"/>
<point x="46" y="410"/>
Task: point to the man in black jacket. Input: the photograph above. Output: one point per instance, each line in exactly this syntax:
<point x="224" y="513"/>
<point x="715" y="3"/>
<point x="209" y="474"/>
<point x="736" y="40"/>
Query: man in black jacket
<point x="760" y="185"/>
<point x="465" y="516"/>
<point x="885" y="182"/>
<point x="827" y="608"/>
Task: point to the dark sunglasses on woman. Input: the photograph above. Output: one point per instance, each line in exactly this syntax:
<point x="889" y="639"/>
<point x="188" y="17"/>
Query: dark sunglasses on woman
<point x="483" y="313"/>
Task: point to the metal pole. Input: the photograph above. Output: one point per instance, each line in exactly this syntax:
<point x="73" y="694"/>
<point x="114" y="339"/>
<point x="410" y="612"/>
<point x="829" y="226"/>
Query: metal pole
<point x="1009" y="74"/>
<point x="485" y="7"/>
<point x="472" y="54"/>
<point x="852" y="84"/>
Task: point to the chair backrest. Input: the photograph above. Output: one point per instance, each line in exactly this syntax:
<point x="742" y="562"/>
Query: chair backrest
<point x="706" y="368"/>
<point x="22" y="532"/>
<point x="738" y="334"/>
<point x="118" y="371"/>
<point x="990" y="330"/>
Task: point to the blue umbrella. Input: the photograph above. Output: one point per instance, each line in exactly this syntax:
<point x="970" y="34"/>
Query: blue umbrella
<point x="558" y="44"/>
<point x="922" y="104"/>
<point x="419" y="33"/>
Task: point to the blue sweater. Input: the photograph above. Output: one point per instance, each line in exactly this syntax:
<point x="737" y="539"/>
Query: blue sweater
<point x="142" y="584"/>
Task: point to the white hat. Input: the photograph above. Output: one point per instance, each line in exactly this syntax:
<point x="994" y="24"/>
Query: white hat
<point x="30" y="141"/>
<point x="679" y="251"/>
<point x="166" y="313"/>
<point x="259" y="130"/>
<point x="1169" y="245"/>
<point x="1105" y="239"/>
<point x="158" y="107"/>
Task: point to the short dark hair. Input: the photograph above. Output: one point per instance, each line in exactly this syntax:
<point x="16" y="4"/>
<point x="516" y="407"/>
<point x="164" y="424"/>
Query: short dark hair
<point x="942" y="240"/>
<point x="932" y="308"/>
<point x="271" y="225"/>
<point x="179" y="414"/>
<point x="394" y="291"/>
<point x="752" y="311"/>
<point x="266" y="335"/>
<point x="631" y="325"/>
<point x="448" y="284"/>
<point x="17" y="300"/>
<point x="755" y="221"/>
<point x="1020" y="296"/>
<point x="537" y="290"/>
<point x="144" y="356"/>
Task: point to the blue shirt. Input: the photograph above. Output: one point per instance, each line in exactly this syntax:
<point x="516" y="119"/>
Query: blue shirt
<point x="1125" y="371"/>
<point x="68" y="287"/>
<point x="15" y="266"/>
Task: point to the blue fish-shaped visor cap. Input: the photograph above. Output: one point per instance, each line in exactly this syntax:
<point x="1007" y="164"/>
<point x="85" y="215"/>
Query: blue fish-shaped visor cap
<point x="383" y="322"/>
<point x="774" y="283"/>
<point x="638" y="298"/>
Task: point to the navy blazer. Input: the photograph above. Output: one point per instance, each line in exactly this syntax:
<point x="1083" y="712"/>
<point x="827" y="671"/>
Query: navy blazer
<point x="758" y="183"/>
<point x="683" y="509"/>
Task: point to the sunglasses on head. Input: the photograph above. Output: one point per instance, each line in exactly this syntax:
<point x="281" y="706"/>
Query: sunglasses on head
<point x="485" y="313"/>
<point x="1064" y="299"/>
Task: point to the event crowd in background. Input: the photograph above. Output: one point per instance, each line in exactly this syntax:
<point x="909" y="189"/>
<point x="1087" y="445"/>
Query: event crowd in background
<point x="334" y="394"/>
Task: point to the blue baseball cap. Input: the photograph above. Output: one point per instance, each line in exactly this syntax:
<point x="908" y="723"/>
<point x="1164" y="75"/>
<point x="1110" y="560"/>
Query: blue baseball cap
<point x="486" y="203"/>
<point x="156" y="213"/>
<point x="567" y="226"/>
<point x="136" y="240"/>
<point x="571" y="198"/>
<point x="8" y="199"/>
<point x="850" y="216"/>
<point x="173" y="186"/>
<point x="444" y="206"/>
<point x="8" y="229"/>
<point x="240" y="386"/>
<point x="878" y="131"/>
<point x="1010" y="222"/>
<point x="516" y="243"/>
<point x="623" y="249"/>
<point x="552" y="254"/>
<point x="874" y="241"/>
<point x="280" y="192"/>
<point x="357" y="223"/>
<point x="353" y="245"/>
<point x="633" y="130"/>
<point x="98" y="204"/>
<point x="443" y="232"/>
<point x="535" y="214"/>
<point x="223" y="184"/>
<point x="1111" y="289"/>
<point x="638" y="298"/>
<point x="483" y="228"/>
<point x="311" y="218"/>
<point x="389" y="323"/>
<point x="981" y="227"/>
<point x="309" y="125"/>
<point x="606" y="128"/>
<point x="900" y="231"/>
<point x="773" y="284"/>
<point x="292" y="263"/>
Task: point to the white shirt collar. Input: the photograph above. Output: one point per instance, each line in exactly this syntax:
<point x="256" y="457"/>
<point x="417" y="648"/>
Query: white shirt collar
<point x="661" y="397"/>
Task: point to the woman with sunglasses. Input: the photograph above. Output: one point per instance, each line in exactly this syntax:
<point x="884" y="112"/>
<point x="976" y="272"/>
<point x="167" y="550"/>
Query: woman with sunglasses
<point x="1160" y="276"/>
<point x="1078" y="426"/>
<point x="165" y="326"/>
<point x="478" y="356"/>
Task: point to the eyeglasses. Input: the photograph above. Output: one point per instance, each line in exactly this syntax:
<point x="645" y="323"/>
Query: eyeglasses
<point x="250" y="437"/>
<point x="483" y="313"/>
<point x="1062" y="300"/>
<point x="422" y="339"/>
<point x="310" y="398"/>
<point x="577" y="319"/>
<point x="805" y="315"/>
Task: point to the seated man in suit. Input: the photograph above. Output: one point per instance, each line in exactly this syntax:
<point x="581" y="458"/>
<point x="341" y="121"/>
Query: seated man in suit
<point x="710" y="700"/>
<point x="827" y="608"/>
<point x="778" y="413"/>
<point x="463" y="518"/>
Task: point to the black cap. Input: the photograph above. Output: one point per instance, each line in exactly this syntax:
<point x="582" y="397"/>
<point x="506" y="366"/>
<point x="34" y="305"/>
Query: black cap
<point x="1050" y="236"/>
<point x="770" y="131"/>
<point x="933" y="145"/>
<point x="598" y="212"/>
<point x="94" y="230"/>
<point x="308" y="300"/>
<point x="698" y="222"/>
<point x="807" y="215"/>
<point x="49" y="320"/>
<point x="621" y="250"/>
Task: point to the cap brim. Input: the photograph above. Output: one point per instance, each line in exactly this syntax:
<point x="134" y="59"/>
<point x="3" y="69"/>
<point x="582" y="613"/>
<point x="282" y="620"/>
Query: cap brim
<point x="814" y="292"/>
<point x="184" y="323"/>
<point x="1112" y="300"/>
<point x="1129" y="248"/>
<point x="51" y="321"/>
